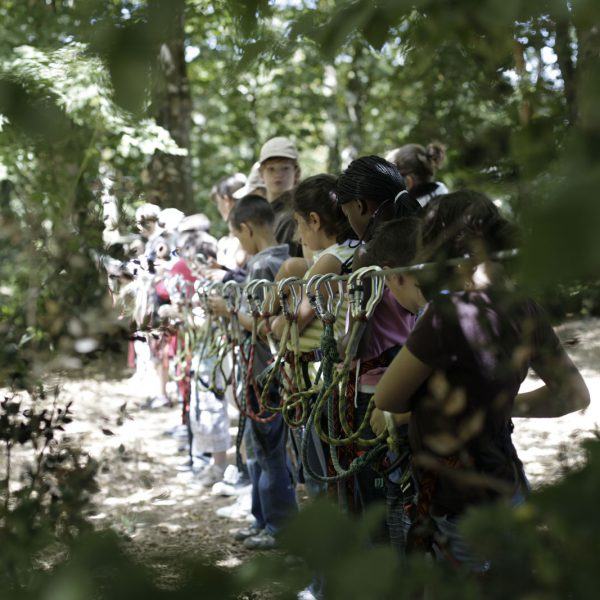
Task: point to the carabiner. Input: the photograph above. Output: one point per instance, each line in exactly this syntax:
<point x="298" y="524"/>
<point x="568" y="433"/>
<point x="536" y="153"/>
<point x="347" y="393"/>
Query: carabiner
<point x="231" y="295"/>
<point x="356" y="293"/>
<point x="290" y="310"/>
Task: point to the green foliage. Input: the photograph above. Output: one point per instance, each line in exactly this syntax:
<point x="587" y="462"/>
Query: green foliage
<point x="46" y="490"/>
<point x="512" y="87"/>
<point x="551" y="539"/>
<point x="59" y="125"/>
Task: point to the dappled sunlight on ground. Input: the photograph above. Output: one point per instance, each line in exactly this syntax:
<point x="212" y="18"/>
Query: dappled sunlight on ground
<point x="549" y="446"/>
<point x="142" y="494"/>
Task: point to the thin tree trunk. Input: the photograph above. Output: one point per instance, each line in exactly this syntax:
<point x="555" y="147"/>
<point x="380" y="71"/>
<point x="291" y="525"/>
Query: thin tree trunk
<point x="525" y="109"/>
<point x="332" y="138"/>
<point x="588" y="74"/>
<point x="356" y="95"/>
<point x="566" y="65"/>
<point x="171" y="176"/>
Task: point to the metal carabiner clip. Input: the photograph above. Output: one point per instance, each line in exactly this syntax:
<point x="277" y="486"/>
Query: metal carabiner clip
<point x="313" y="295"/>
<point x="253" y="306"/>
<point x="263" y="303"/>
<point x="290" y="301"/>
<point x="231" y="295"/>
<point x="356" y="292"/>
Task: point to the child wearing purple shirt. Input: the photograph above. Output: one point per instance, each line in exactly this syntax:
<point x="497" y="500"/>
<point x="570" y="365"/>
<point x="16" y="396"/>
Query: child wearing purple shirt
<point x="457" y="378"/>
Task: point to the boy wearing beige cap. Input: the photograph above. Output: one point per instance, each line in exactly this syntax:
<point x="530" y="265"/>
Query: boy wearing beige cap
<point x="280" y="172"/>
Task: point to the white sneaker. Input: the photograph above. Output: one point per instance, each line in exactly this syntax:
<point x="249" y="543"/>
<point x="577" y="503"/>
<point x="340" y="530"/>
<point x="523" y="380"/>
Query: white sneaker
<point x="240" y="510"/>
<point x="209" y="476"/>
<point x="231" y="483"/>
<point x="225" y="489"/>
<point x="231" y="475"/>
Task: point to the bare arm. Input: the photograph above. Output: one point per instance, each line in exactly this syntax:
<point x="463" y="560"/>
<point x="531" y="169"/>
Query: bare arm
<point x="564" y="391"/>
<point x="292" y="267"/>
<point x="401" y="380"/>
<point x="379" y="423"/>
<point x="245" y="320"/>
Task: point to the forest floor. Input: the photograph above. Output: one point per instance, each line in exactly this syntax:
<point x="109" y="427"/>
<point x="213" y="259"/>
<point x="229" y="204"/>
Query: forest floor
<point x="143" y="496"/>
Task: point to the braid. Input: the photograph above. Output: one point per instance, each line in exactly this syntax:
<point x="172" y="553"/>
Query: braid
<point x="372" y="179"/>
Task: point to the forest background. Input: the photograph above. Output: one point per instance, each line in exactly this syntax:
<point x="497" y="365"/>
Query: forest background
<point x="162" y="98"/>
<point x="157" y="99"/>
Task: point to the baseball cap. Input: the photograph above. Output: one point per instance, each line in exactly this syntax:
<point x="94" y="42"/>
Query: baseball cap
<point x="278" y="147"/>
<point x="197" y="222"/>
<point x="169" y="218"/>
<point x="147" y="211"/>
<point x="253" y="182"/>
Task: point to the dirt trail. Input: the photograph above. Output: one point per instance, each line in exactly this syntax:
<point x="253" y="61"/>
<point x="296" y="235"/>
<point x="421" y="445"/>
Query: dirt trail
<point x="144" y="496"/>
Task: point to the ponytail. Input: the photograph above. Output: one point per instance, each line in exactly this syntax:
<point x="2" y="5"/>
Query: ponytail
<point x="419" y="161"/>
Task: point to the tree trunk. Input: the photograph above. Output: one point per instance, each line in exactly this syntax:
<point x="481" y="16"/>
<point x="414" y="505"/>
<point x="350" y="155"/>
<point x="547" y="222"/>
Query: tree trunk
<point x="566" y="65"/>
<point x="525" y="108"/>
<point x="356" y="95"/>
<point x="588" y="73"/>
<point x="332" y="132"/>
<point x="171" y="176"/>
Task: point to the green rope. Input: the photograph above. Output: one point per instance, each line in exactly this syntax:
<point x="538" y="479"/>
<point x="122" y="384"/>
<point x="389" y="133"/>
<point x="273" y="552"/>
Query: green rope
<point x="330" y="359"/>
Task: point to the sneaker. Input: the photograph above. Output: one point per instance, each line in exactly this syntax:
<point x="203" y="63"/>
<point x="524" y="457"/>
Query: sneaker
<point x="156" y="402"/>
<point x="185" y="466"/>
<point x="262" y="541"/>
<point x="241" y="534"/>
<point x="210" y="475"/>
<point x="231" y="475"/>
<point x="224" y="489"/>
<point x="180" y="432"/>
<point x="200" y="464"/>
<point x="232" y="483"/>
<point x="240" y="510"/>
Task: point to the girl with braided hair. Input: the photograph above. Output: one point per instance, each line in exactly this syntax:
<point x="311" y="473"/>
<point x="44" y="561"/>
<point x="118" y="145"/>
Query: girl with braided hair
<point x="372" y="191"/>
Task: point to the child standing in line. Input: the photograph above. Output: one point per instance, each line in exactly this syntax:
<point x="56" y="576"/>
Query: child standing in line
<point x="370" y="191"/>
<point x="459" y="373"/>
<point x="280" y="172"/>
<point x="325" y="231"/>
<point x="230" y="256"/>
<point x="273" y="493"/>
<point x="205" y="415"/>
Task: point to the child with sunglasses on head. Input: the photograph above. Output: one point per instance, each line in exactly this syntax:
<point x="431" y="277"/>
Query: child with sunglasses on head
<point x="456" y="380"/>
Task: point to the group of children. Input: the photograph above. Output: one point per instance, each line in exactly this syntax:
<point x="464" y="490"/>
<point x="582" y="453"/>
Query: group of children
<point x="436" y="368"/>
